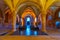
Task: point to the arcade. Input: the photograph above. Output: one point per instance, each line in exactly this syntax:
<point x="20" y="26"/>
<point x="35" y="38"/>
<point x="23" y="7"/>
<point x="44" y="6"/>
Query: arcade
<point x="29" y="17"/>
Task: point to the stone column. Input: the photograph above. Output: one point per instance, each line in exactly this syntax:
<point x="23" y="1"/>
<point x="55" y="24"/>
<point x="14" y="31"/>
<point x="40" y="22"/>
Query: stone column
<point x="13" y="21"/>
<point x="43" y="21"/>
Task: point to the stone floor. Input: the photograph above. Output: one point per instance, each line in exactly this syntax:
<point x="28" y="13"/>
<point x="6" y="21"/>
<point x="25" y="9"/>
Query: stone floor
<point x="40" y="37"/>
<point x="53" y="34"/>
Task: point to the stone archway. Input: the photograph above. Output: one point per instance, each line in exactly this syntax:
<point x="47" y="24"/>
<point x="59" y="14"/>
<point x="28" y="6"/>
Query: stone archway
<point x="8" y="16"/>
<point x="29" y="5"/>
<point x="57" y="17"/>
<point x="49" y="19"/>
<point x="35" y="7"/>
<point x="26" y="13"/>
<point x="40" y="21"/>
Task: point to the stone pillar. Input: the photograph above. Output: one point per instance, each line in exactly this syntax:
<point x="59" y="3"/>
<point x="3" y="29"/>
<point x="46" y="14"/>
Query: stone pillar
<point x="43" y="21"/>
<point x="13" y="21"/>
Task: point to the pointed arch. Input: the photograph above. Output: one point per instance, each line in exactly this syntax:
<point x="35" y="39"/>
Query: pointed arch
<point x="34" y="6"/>
<point x="28" y="12"/>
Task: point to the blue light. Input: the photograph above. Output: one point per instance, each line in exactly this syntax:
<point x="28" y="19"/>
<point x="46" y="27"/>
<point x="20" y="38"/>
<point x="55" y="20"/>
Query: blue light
<point x="28" y="30"/>
<point x="57" y="23"/>
<point x="35" y="33"/>
<point x="28" y="18"/>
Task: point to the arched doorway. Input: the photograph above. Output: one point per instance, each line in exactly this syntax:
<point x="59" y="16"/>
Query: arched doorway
<point x="57" y="18"/>
<point x="39" y="22"/>
<point x="28" y="20"/>
<point x="52" y="19"/>
<point x="29" y="5"/>
<point x="8" y="17"/>
<point x="28" y="13"/>
<point x="49" y="20"/>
